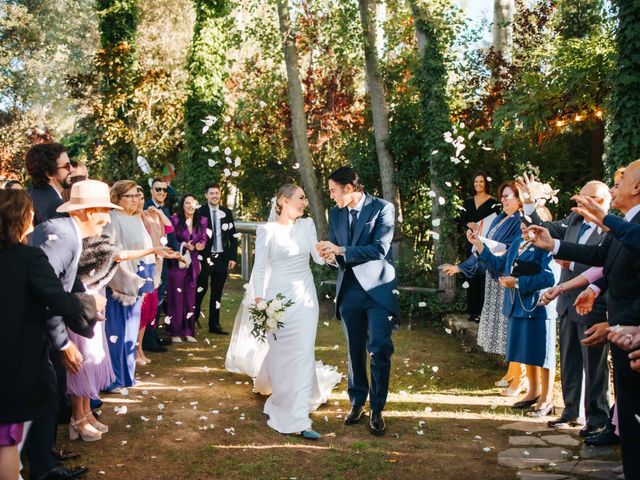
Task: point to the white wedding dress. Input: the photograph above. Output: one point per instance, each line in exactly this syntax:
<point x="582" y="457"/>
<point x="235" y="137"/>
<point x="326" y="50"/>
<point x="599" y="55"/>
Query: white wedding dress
<point x="284" y="368"/>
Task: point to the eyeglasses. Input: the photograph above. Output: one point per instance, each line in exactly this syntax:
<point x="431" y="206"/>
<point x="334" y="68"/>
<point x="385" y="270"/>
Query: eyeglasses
<point x="160" y="189"/>
<point x="131" y="195"/>
<point x="66" y="166"/>
<point x="511" y="196"/>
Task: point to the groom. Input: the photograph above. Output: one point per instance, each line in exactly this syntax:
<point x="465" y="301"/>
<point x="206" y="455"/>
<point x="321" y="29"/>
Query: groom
<point x="359" y="246"/>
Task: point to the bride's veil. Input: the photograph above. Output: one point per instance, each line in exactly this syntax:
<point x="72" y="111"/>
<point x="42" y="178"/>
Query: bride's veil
<point x="246" y="353"/>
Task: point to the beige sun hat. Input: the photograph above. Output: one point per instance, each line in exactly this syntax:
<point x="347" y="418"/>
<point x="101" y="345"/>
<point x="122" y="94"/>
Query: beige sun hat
<point x="88" y="194"/>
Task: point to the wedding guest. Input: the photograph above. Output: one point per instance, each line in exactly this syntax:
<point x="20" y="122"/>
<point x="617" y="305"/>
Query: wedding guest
<point x="478" y="210"/>
<point x="158" y="196"/>
<point x="622" y="275"/>
<point x="531" y="338"/>
<point x="191" y="232"/>
<point x="135" y="276"/>
<point x="492" y="331"/>
<point x="80" y="173"/>
<point x="29" y="296"/>
<point x="578" y="361"/>
<point x="218" y="257"/>
<point x="49" y="169"/>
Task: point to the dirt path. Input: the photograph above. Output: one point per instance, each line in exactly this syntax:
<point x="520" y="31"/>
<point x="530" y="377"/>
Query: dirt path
<point x="189" y="418"/>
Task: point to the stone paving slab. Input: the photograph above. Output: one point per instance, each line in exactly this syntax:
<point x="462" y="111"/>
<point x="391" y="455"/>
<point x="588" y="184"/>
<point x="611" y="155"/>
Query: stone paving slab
<point x="533" y="426"/>
<point x="590" y="468"/>
<point x="587" y="452"/>
<point x="518" y="458"/>
<point x="526" y="441"/>
<point x="562" y="440"/>
<point x="533" y="475"/>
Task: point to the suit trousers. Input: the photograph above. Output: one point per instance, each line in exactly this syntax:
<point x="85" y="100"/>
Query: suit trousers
<point x="627" y="385"/>
<point x="475" y="295"/>
<point x="578" y="362"/>
<point x="215" y="274"/>
<point x="368" y="329"/>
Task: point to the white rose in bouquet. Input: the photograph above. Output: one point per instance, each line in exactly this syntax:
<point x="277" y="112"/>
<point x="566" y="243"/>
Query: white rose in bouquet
<point x="272" y="323"/>
<point x="261" y="306"/>
<point x="270" y="311"/>
<point x="279" y="316"/>
<point x="276" y="304"/>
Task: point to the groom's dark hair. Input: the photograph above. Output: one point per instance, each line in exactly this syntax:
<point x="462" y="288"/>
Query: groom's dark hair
<point x="345" y="176"/>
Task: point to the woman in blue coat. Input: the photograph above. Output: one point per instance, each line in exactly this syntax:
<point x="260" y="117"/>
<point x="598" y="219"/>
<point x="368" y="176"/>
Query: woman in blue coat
<point x="526" y="273"/>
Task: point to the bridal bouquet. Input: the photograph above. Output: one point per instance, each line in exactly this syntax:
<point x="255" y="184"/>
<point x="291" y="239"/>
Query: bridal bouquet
<point x="267" y="316"/>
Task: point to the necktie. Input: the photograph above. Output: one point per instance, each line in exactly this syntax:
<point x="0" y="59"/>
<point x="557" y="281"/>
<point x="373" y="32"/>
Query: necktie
<point x="214" y="230"/>
<point x="583" y="228"/>
<point x="352" y="227"/>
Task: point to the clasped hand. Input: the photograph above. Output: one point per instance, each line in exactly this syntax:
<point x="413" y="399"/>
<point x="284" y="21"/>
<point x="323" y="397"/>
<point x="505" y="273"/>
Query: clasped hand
<point x="327" y="250"/>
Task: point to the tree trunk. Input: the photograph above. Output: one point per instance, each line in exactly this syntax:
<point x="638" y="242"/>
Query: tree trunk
<point x="379" y="111"/>
<point x="442" y="250"/>
<point x="299" y="121"/>
<point x="503" y="11"/>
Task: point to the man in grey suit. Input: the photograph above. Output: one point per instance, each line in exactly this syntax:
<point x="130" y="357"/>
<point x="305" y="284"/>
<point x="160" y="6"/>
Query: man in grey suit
<point x="61" y="239"/>
<point x="577" y="361"/>
<point x="360" y="233"/>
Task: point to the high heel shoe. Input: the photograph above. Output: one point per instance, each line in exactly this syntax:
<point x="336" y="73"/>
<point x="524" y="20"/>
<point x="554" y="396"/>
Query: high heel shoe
<point x="140" y="361"/>
<point x="310" y="434"/>
<point x="101" y="427"/>
<point x="542" y="411"/>
<point x="89" y="434"/>
<point x="514" y="392"/>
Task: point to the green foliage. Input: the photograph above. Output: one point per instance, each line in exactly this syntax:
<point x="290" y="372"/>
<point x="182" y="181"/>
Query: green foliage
<point x="205" y="96"/>
<point x="624" y="126"/>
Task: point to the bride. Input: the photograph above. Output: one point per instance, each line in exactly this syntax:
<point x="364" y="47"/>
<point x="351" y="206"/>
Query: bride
<point x="284" y="368"/>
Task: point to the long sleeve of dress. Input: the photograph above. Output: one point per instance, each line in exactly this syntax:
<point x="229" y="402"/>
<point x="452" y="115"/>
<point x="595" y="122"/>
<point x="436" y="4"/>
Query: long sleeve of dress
<point x="261" y="261"/>
<point x="312" y="235"/>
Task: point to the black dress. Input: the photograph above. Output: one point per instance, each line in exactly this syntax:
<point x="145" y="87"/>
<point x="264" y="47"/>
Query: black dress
<point x="475" y="292"/>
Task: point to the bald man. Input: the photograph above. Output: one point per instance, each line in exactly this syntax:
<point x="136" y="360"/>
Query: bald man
<point x="622" y="272"/>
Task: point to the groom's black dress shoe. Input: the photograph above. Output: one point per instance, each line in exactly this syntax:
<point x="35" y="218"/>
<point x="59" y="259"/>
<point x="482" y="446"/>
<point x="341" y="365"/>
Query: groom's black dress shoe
<point x="376" y="423"/>
<point x="354" y="415"/>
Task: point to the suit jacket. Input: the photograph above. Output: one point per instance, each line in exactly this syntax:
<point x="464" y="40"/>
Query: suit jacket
<point x="568" y="229"/>
<point x="522" y="302"/>
<point x="29" y="294"/>
<point x="228" y="230"/>
<point x="369" y="255"/>
<point x="58" y="238"/>
<point x="626" y="232"/>
<point x="164" y="208"/>
<point x="621" y="271"/>
<point x="45" y="201"/>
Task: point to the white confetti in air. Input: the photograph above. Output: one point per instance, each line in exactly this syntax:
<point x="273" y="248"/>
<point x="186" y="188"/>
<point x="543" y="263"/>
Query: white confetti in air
<point x="167" y="320"/>
<point x="52" y="237"/>
<point x="465" y="285"/>
<point x="441" y="200"/>
<point x="163" y="241"/>
<point x="227" y="172"/>
<point x="432" y="194"/>
<point x="422" y="304"/>
<point x="113" y="338"/>
<point x="212" y="162"/>
<point x="526" y="453"/>
<point x="237" y="162"/>
<point x="447" y="331"/>
<point x="489" y="179"/>
<point x="486" y="449"/>
<point x="217" y="305"/>
<point x="224" y="226"/>
<point x="434" y="369"/>
<point x="179" y="290"/>
<point x="199" y="289"/>
<point x="638" y="418"/>
<point x="228" y="159"/>
<point x="395" y="291"/>
<point x="436" y="222"/>
<point x="189" y="315"/>
<point x="448" y="184"/>
<point x="227" y="151"/>
<point x="564" y="452"/>
<point x="471" y="134"/>
<point x="478" y="437"/>
<point x="296" y="166"/>
<point x="435" y="235"/>
<point x="420" y="432"/>
<point x="435" y="152"/>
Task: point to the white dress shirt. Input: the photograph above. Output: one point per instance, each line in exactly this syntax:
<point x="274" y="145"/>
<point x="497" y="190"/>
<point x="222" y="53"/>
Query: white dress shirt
<point x="216" y="245"/>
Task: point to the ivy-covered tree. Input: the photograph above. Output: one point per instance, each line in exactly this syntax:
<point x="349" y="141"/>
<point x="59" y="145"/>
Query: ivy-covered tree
<point x="118" y="66"/>
<point x="624" y="123"/>
<point x="205" y="157"/>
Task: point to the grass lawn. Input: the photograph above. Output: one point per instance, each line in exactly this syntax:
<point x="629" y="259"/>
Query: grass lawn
<point x="189" y="418"/>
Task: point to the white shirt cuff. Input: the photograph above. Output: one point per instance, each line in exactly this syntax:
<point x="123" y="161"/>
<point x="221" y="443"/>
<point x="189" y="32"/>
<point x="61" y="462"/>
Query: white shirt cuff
<point x="65" y="346"/>
<point x="595" y="288"/>
<point x="556" y="247"/>
<point x="529" y="208"/>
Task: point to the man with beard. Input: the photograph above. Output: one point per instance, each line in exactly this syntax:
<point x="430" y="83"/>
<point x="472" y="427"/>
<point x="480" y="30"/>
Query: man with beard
<point x="49" y="168"/>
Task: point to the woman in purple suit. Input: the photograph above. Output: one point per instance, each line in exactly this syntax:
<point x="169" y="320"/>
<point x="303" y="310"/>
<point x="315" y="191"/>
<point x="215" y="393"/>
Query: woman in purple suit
<point x="191" y="234"/>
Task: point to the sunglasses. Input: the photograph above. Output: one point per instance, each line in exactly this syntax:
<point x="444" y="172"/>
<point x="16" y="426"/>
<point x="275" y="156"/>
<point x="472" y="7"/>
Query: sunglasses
<point x="160" y="189"/>
<point x="66" y="166"/>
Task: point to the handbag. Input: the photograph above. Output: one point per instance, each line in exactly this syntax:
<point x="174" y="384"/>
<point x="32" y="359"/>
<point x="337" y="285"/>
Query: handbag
<point x="523" y="268"/>
<point x="186" y="254"/>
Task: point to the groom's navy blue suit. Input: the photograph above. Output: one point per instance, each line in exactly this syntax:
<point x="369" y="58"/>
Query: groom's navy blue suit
<point x="365" y="301"/>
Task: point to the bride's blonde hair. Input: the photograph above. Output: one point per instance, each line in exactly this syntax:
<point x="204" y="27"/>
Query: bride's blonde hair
<point x="286" y="190"/>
